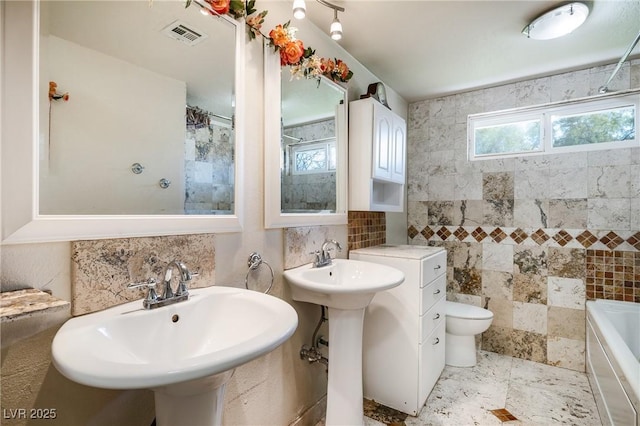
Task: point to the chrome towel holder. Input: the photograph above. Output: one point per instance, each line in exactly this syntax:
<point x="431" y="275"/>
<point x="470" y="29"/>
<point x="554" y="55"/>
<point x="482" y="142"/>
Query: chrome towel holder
<point x="254" y="262"/>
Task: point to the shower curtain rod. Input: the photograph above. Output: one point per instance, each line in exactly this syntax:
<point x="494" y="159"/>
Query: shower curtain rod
<point x="292" y="137"/>
<point x="210" y="113"/>
<point x="605" y="88"/>
<point x="302" y="141"/>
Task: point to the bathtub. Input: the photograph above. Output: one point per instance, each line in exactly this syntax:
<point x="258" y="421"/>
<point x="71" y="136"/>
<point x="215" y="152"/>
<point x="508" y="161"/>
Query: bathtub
<point x="613" y="360"/>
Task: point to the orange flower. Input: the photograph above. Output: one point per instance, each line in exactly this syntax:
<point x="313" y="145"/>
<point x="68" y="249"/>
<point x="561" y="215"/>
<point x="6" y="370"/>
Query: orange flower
<point x="343" y="69"/>
<point x="255" y="22"/>
<point x="279" y="36"/>
<point x="220" y="6"/>
<point x="327" y="66"/>
<point x="292" y="52"/>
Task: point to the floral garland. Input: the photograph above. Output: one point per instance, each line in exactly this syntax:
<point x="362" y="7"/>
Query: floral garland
<point x="303" y="62"/>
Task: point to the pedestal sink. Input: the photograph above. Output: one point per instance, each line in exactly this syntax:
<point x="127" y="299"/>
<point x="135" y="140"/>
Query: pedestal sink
<point x="184" y="352"/>
<point x="346" y="287"/>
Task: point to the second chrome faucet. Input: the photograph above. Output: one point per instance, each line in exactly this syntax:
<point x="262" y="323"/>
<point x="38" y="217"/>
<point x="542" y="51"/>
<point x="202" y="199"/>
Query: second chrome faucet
<point x="323" y="256"/>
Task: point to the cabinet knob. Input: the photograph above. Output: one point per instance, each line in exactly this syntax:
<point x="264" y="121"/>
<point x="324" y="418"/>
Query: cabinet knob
<point x="437" y="267"/>
<point x="437" y="291"/>
<point x="436" y="341"/>
<point x="436" y="316"/>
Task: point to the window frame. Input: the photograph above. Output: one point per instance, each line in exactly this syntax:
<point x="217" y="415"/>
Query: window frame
<point x="545" y="114"/>
<point x="327" y="145"/>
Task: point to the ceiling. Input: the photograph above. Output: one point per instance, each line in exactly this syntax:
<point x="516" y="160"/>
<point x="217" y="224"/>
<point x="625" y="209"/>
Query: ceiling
<point x="131" y="31"/>
<point x="429" y="48"/>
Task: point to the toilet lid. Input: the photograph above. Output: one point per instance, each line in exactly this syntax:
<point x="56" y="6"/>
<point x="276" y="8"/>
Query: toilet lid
<point x="462" y="310"/>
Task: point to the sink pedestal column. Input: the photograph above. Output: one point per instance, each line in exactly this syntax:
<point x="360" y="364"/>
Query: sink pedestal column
<point x="197" y="402"/>
<point x="344" y="389"/>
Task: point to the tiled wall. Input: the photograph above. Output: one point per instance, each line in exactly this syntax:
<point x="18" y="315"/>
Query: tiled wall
<point x="300" y="243"/>
<point x="315" y="191"/>
<point x="101" y="269"/>
<point x="613" y="275"/>
<point x="366" y="229"/>
<point x="208" y="155"/>
<point x="529" y="237"/>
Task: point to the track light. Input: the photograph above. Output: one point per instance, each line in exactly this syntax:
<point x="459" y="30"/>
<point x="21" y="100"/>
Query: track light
<point x="336" y="27"/>
<point x="299" y="9"/>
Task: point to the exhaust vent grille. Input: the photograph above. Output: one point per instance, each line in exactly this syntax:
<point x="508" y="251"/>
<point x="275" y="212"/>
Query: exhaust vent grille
<point x="180" y="31"/>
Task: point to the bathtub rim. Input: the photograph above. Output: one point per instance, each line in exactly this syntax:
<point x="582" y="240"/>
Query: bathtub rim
<point x="622" y="359"/>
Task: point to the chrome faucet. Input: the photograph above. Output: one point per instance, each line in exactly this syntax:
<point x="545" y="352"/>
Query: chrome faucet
<point x="169" y="297"/>
<point x="185" y="277"/>
<point x="323" y="256"/>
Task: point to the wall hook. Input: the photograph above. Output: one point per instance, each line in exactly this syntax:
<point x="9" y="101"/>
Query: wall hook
<point x="54" y="95"/>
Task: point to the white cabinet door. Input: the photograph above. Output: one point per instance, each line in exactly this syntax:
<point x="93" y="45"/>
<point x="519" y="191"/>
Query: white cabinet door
<point x="382" y="142"/>
<point x="377" y="157"/>
<point x="389" y="145"/>
<point x="398" y="149"/>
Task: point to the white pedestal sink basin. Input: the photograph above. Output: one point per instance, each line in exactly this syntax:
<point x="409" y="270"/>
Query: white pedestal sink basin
<point x="346" y="287"/>
<point x="185" y="352"/>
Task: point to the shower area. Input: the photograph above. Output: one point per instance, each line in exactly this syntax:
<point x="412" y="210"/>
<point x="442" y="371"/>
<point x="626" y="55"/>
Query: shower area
<point x="209" y="163"/>
<point x="309" y="167"/>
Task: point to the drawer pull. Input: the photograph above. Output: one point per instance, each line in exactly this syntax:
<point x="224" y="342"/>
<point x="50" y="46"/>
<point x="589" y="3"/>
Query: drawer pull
<point x="437" y="291"/>
<point x="437" y="267"/>
<point x="436" y="341"/>
<point x="436" y="316"/>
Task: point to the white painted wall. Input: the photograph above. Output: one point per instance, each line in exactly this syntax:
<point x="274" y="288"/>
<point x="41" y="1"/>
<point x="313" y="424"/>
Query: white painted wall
<point x="118" y="114"/>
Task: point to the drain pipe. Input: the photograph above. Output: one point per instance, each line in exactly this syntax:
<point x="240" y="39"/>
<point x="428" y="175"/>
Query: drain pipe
<point x="312" y="353"/>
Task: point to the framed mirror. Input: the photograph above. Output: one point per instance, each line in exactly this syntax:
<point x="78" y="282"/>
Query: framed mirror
<point x="132" y="125"/>
<point x="305" y="149"/>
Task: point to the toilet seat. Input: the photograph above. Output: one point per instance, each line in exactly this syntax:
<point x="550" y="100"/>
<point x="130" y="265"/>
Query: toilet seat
<point x="468" y="312"/>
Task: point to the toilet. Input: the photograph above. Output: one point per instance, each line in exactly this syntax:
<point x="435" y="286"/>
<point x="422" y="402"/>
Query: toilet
<point x="462" y="323"/>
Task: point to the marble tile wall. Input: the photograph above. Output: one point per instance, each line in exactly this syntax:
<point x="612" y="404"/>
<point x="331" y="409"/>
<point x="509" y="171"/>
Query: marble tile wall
<point x="209" y="184"/>
<point x="101" y="269"/>
<point x="527" y="236"/>
<point x="315" y="191"/>
<point x="300" y="243"/>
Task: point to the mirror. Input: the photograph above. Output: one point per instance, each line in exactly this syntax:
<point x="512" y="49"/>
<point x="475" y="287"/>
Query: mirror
<point x="150" y="86"/>
<point x="147" y="142"/>
<point x="305" y="149"/>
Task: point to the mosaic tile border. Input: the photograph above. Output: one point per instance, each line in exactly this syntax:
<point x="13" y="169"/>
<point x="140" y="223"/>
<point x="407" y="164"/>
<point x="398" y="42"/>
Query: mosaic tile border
<point x="547" y="237"/>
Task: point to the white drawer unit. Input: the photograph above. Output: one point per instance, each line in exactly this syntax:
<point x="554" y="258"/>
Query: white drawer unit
<point x="403" y="342"/>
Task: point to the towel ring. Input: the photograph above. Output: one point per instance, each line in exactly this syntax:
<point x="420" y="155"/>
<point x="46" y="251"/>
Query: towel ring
<point x="254" y="262"/>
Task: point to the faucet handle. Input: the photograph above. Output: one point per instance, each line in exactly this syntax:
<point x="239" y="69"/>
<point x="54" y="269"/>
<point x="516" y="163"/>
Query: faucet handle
<point x="151" y="296"/>
<point x="318" y="255"/>
<point x="182" y="285"/>
<point x="149" y="283"/>
<point x="185" y="277"/>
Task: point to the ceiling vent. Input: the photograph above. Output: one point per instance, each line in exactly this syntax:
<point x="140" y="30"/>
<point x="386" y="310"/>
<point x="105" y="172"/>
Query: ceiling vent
<point x="179" y="30"/>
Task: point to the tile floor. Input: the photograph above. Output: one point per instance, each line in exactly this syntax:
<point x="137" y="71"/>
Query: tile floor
<point x="534" y="393"/>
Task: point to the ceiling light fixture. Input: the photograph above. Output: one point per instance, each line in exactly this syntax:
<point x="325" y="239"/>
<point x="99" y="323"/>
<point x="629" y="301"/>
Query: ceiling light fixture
<point x="300" y="9"/>
<point x="557" y="22"/>
<point x="336" y="27"/>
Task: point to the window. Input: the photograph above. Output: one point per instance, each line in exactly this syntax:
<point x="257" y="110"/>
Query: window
<point x="604" y="123"/>
<point x="512" y="136"/>
<point x="313" y="158"/>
